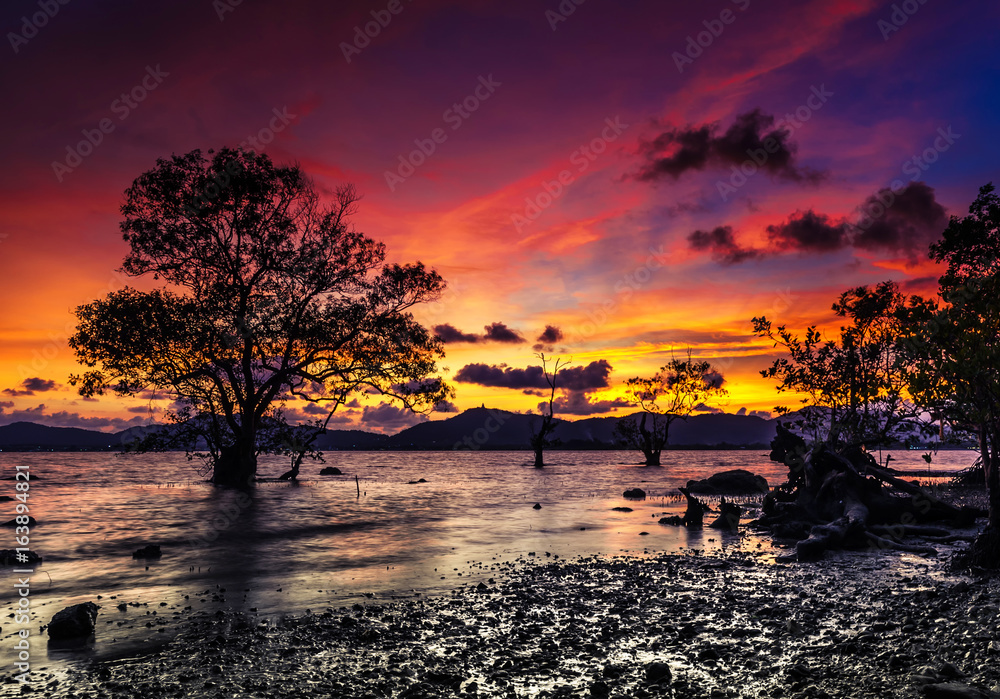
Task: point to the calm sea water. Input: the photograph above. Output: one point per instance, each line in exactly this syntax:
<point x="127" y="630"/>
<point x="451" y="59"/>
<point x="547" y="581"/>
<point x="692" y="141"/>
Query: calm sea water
<point x="288" y="548"/>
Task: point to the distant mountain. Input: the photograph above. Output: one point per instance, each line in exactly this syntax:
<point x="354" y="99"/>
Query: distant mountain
<point x="484" y="428"/>
<point x="478" y="428"/>
<point x="27" y="435"/>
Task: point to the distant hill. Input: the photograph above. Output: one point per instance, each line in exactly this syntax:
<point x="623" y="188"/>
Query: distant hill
<point x="28" y="435"/>
<point x="478" y="428"/>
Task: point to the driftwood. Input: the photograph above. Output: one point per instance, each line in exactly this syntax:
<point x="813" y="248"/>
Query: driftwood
<point x="694" y="515"/>
<point x="847" y="501"/>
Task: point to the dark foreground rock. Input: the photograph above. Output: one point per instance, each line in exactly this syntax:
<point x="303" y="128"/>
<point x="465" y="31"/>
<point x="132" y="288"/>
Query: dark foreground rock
<point x="331" y="471"/>
<point x="73" y="622"/>
<point x="735" y="482"/>
<point x="634" y="494"/>
<point x="148" y="551"/>
<point x="11" y="557"/>
<point x="738" y="626"/>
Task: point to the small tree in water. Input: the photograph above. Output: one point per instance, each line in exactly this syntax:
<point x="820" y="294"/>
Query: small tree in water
<point x="271" y="296"/>
<point x="675" y="392"/>
<point x="540" y="435"/>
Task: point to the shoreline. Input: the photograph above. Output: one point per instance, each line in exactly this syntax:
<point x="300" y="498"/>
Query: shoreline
<point x="730" y="624"/>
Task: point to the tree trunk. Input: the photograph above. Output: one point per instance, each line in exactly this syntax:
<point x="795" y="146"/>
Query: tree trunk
<point x="236" y="465"/>
<point x="985" y="550"/>
<point x="538" y="458"/>
<point x="651" y="453"/>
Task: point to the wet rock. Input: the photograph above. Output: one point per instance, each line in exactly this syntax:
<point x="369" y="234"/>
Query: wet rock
<point x="600" y="689"/>
<point x="148" y="551"/>
<point x="734" y="482"/>
<point x="331" y="471"/>
<point x="536" y="506"/>
<point x="9" y="557"/>
<point x="419" y="480"/>
<point x="73" y="622"/>
<point x="672" y="520"/>
<point x="15" y="523"/>
<point x="657" y="672"/>
<point x="955" y="690"/>
<point x="634" y="494"/>
<point x="621" y="509"/>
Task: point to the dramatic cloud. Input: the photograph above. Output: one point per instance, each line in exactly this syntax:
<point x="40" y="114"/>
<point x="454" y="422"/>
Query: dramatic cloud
<point x="449" y="333"/>
<point x="498" y="332"/>
<point x="808" y="232"/>
<point x="579" y="403"/>
<point x="6" y="404"/>
<point x="905" y="223"/>
<point x="495" y="332"/>
<point x="30" y="387"/>
<point x="445" y="406"/>
<point x="315" y="409"/>
<point x="386" y="417"/>
<point x="548" y="338"/>
<point x="901" y="223"/>
<point x="721" y="243"/>
<point x="143" y="409"/>
<point x="750" y="137"/>
<point x="703" y="408"/>
<point x="591" y="377"/>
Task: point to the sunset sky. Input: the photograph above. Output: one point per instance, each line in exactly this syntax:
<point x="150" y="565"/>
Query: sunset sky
<point x="583" y="176"/>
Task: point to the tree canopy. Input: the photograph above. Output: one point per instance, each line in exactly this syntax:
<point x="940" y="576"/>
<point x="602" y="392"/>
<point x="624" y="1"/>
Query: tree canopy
<point x="679" y="389"/>
<point x="856" y="384"/>
<point x="270" y="297"/>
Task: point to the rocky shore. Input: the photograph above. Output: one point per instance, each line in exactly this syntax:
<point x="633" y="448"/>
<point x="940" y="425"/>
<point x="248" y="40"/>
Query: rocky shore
<point x="740" y="625"/>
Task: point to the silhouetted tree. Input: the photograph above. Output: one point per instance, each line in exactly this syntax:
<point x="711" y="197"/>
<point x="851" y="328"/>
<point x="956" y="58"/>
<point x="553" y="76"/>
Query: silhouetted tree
<point x="856" y="384"/>
<point x="271" y="297"/>
<point x="675" y="392"/>
<point x="958" y="341"/>
<point x="540" y="435"/>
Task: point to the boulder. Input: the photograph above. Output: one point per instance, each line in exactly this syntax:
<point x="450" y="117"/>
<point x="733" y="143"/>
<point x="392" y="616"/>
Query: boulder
<point x="331" y="471"/>
<point x="657" y="672"/>
<point x="73" y="622"/>
<point x="634" y="494"/>
<point x="14" y="522"/>
<point x="735" y="482"/>
<point x="8" y="557"/>
<point x="148" y="551"/>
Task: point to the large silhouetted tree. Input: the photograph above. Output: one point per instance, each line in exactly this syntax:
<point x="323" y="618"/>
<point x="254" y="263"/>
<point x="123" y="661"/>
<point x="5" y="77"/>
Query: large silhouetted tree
<point x="675" y="392"/>
<point x="271" y="296"/>
<point x="958" y="340"/>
